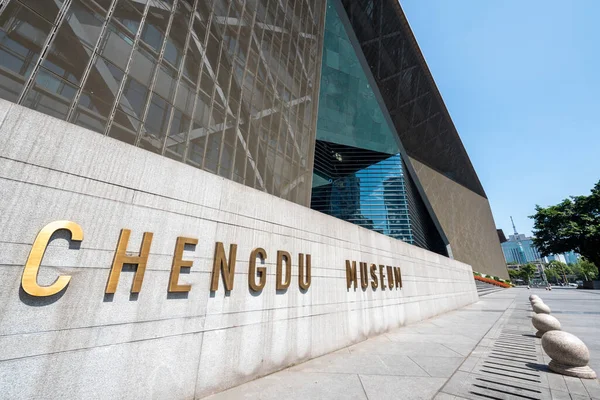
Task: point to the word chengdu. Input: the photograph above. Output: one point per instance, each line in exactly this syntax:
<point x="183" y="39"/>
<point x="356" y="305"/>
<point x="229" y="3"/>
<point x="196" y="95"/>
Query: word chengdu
<point x="222" y="264"/>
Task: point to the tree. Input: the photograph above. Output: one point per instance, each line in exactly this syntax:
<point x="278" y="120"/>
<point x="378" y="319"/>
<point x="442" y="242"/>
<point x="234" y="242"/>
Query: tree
<point x="527" y="272"/>
<point x="557" y="271"/>
<point x="571" y="225"/>
<point x="514" y="275"/>
<point x="552" y="274"/>
<point x="585" y="270"/>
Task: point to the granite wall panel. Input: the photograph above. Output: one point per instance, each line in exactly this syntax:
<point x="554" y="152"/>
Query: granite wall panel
<point x="82" y="343"/>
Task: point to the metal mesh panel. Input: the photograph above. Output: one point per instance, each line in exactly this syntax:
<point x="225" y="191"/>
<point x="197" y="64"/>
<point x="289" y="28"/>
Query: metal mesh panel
<point x="415" y="105"/>
<point x="226" y="86"/>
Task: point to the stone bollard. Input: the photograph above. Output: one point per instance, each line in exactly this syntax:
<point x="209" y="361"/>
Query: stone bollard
<point x="536" y="301"/>
<point x="569" y="354"/>
<point x="544" y="323"/>
<point x="533" y="297"/>
<point x="541" y="308"/>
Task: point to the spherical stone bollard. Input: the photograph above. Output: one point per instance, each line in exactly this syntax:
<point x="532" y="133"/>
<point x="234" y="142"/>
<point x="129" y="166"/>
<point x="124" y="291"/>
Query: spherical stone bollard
<point x="544" y="323"/>
<point x="536" y="301"/>
<point x="569" y="354"/>
<point x="541" y="308"/>
<point x="533" y="296"/>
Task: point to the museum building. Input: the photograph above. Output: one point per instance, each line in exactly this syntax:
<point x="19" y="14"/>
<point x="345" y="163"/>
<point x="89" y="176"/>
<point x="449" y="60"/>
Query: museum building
<point x="196" y="193"/>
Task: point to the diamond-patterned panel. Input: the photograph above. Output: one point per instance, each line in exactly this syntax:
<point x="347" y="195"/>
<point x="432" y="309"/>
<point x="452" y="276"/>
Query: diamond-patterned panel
<point x="408" y="90"/>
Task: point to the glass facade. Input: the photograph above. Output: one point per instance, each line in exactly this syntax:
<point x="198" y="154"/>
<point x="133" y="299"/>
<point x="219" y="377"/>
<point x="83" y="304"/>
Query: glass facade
<point x="359" y="175"/>
<point x="361" y="186"/>
<point x="226" y="86"/>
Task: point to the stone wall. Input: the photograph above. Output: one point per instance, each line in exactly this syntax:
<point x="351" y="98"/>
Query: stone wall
<point x="82" y="343"/>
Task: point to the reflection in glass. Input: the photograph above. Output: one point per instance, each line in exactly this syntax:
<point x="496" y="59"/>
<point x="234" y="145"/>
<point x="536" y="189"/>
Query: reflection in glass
<point x="22" y="35"/>
<point x="133" y="98"/>
<point x="50" y="94"/>
<point x="359" y="175"/>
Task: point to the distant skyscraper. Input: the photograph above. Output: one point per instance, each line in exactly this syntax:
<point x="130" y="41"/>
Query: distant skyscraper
<point x="520" y="249"/>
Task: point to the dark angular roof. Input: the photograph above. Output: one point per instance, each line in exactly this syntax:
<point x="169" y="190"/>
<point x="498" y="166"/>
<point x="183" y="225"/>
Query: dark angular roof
<point x="409" y="92"/>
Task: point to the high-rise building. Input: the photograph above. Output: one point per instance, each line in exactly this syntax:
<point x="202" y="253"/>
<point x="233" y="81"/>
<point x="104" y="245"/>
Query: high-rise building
<point x="520" y="249"/>
<point x="284" y="145"/>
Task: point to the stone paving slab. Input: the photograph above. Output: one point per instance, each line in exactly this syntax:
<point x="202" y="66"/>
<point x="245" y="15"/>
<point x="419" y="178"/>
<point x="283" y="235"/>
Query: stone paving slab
<point x="484" y="351"/>
<point x="509" y="362"/>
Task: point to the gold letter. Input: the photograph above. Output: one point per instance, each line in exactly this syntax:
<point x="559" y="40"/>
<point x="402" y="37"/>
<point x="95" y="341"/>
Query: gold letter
<point x="350" y="274"/>
<point x="122" y="258"/>
<point x="262" y="271"/>
<point x="374" y="283"/>
<point x="32" y="266"/>
<point x="382" y="276"/>
<point x="281" y="285"/>
<point x="302" y="282"/>
<point x="398" y="276"/>
<point x="227" y="269"/>
<point x="178" y="263"/>
<point x="390" y="273"/>
<point x="364" y="276"/>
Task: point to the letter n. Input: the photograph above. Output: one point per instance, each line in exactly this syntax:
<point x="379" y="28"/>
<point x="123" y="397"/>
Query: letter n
<point x="227" y="268"/>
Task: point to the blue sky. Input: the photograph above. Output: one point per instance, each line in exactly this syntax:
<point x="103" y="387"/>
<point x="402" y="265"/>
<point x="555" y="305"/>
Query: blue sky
<point x="521" y="80"/>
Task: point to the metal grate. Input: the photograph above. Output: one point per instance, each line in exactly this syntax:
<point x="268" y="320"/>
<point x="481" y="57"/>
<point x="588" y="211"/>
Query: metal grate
<point x="508" y="369"/>
<point x="507" y="364"/>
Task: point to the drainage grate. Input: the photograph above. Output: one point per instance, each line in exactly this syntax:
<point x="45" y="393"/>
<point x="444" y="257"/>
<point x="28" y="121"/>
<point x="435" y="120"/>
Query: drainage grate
<point x="508" y="369"/>
<point x="506" y="366"/>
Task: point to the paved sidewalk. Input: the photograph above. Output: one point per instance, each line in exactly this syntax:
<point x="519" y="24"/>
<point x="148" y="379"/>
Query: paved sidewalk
<point x="579" y="313"/>
<point x="439" y="358"/>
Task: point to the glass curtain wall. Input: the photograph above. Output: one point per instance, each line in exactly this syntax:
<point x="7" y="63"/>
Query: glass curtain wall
<point x="359" y="174"/>
<point x="226" y="86"/>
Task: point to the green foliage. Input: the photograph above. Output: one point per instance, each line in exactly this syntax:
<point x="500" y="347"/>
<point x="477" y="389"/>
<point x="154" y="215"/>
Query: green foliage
<point x="552" y="275"/>
<point x="476" y="273"/>
<point x="556" y="271"/>
<point x="557" y="264"/>
<point x="514" y="274"/>
<point x="571" y="225"/>
<point x="585" y="270"/>
<point x="527" y="271"/>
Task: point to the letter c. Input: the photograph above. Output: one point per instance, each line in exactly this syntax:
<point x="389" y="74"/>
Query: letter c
<point x="32" y="267"/>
